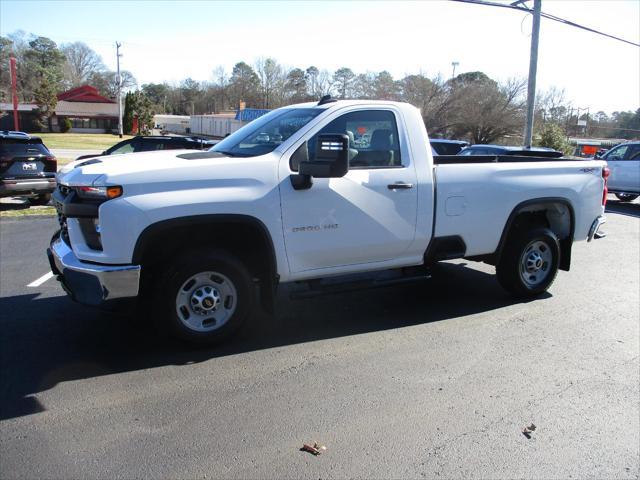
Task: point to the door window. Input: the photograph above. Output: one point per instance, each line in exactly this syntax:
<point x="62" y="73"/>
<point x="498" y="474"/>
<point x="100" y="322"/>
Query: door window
<point x="373" y="139"/>
<point x="149" y="145"/>
<point x="633" y="153"/>
<point x="617" y="153"/>
<point x="126" y="148"/>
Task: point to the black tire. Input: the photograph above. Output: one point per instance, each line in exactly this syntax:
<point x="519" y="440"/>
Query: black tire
<point x="42" y="199"/>
<point x="182" y="270"/>
<point x="626" y="197"/>
<point x="517" y="273"/>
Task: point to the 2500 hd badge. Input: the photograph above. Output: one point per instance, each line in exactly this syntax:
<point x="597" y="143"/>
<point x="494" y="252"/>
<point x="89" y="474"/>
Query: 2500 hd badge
<point x="315" y="228"/>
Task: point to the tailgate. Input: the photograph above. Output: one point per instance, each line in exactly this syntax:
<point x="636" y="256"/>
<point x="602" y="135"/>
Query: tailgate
<point x="27" y="167"/>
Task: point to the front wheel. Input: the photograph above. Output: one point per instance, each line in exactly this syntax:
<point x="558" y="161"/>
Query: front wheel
<point x="529" y="263"/>
<point x="205" y="296"/>
<point x="626" y="197"/>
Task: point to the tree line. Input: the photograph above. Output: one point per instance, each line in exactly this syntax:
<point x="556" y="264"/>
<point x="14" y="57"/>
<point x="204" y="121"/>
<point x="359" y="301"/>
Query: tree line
<point x="471" y="106"/>
<point x="46" y="69"/>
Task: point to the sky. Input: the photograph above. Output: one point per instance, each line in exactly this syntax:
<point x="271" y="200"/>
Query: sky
<point x="171" y="40"/>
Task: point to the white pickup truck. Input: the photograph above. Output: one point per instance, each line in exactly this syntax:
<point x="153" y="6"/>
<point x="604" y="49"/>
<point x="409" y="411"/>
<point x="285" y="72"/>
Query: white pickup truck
<point x="310" y="193"/>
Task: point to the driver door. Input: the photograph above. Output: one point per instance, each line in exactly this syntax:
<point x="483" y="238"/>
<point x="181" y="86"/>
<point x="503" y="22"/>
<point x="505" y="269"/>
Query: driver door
<point x="367" y="216"/>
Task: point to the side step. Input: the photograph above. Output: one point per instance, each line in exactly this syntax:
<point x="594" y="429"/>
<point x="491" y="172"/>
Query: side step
<point x="317" y="288"/>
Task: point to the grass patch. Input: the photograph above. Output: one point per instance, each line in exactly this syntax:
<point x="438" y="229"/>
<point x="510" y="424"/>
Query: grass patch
<point x="64" y="160"/>
<point x="27" y="212"/>
<point x="81" y="141"/>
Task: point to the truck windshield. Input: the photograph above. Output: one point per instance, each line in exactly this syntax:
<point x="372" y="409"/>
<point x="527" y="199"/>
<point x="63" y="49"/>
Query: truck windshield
<point x="264" y="134"/>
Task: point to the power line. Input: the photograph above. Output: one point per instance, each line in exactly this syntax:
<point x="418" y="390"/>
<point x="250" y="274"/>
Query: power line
<point x="515" y="6"/>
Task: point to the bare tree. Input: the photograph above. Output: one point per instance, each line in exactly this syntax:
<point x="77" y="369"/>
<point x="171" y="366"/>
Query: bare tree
<point x="485" y="111"/>
<point x="324" y="84"/>
<point x="107" y="82"/>
<point x="272" y="78"/>
<point x="433" y="99"/>
<point x="81" y="63"/>
<point x="219" y="87"/>
<point x="552" y="106"/>
<point x="364" y="86"/>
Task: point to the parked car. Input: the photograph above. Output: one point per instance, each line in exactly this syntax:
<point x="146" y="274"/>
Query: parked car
<point x="447" y="147"/>
<point x="480" y="149"/>
<point x="152" y="143"/>
<point x="27" y="167"/>
<point x="624" y="164"/>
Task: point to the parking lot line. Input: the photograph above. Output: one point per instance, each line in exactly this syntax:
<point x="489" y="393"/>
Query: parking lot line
<point x="41" y="280"/>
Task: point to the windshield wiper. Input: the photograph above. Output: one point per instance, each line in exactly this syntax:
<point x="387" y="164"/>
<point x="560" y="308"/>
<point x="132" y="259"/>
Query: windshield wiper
<point x="232" y="154"/>
<point x="224" y="152"/>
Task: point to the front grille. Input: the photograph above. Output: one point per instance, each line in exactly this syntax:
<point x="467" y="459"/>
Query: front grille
<point x="62" y="220"/>
<point x="87" y="226"/>
<point x="64" y="232"/>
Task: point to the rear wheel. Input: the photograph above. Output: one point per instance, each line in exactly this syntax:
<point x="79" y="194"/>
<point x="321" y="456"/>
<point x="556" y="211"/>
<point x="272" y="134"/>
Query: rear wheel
<point x="626" y="197"/>
<point x="529" y="263"/>
<point x="205" y="297"/>
<point x="42" y="199"/>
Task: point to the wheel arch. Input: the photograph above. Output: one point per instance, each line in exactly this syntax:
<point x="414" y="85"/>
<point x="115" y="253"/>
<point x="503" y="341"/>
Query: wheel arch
<point x="242" y="235"/>
<point x="559" y="215"/>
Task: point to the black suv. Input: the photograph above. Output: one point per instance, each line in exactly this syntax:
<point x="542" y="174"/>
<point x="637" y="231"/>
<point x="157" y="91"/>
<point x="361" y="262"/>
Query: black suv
<point x="27" y="167"/>
<point x="447" y="147"/>
<point x="491" y="150"/>
<point x="153" y="143"/>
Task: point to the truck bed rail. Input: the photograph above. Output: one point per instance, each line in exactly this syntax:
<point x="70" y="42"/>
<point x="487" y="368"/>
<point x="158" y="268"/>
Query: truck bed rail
<point x="451" y="159"/>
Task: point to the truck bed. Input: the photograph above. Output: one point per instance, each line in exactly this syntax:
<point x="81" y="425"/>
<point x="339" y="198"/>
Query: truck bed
<point x="476" y="194"/>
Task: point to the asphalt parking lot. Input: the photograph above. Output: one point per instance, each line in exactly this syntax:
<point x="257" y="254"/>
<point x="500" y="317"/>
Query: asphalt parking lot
<point x="436" y="379"/>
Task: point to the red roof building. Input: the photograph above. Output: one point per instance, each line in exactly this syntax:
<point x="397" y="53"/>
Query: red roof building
<point x="84" y="93"/>
<point x="86" y="109"/>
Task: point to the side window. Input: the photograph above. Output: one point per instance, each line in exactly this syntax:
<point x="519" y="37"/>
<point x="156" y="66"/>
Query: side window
<point x="633" y="153"/>
<point x="617" y="153"/>
<point x="149" y="146"/>
<point x="126" y="148"/>
<point x="373" y="139"/>
<point x="173" y="146"/>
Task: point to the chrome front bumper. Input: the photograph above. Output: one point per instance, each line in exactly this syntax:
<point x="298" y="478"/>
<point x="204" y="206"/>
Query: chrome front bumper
<point x="90" y="283"/>
<point x="595" y="226"/>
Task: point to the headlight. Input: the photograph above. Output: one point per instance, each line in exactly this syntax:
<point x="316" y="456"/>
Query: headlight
<point x="99" y="193"/>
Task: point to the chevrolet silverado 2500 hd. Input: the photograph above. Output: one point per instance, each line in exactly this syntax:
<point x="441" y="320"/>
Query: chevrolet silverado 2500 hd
<point x="339" y="188"/>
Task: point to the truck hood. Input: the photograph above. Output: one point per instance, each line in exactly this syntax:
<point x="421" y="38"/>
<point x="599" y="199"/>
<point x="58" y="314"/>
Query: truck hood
<point x="128" y="162"/>
<point x="165" y="171"/>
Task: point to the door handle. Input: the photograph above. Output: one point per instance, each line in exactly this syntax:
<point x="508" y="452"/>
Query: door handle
<point x="400" y="186"/>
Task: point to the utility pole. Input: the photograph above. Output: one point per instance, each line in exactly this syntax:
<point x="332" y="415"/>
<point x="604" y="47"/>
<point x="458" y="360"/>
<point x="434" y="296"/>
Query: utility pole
<point x="533" y="69"/>
<point x="14" y="93"/>
<point x="454" y="65"/>
<point x="119" y="80"/>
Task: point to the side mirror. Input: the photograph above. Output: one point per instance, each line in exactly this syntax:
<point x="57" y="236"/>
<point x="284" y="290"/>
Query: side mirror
<point x="332" y="158"/>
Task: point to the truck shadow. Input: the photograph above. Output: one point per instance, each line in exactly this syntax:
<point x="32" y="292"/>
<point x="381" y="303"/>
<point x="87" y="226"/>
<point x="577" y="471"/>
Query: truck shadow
<point x="50" y="340"/>
<point x="623" y="208"/>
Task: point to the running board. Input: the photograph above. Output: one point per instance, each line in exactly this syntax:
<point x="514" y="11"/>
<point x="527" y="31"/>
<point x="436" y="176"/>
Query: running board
<point x="334" y="288"/>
